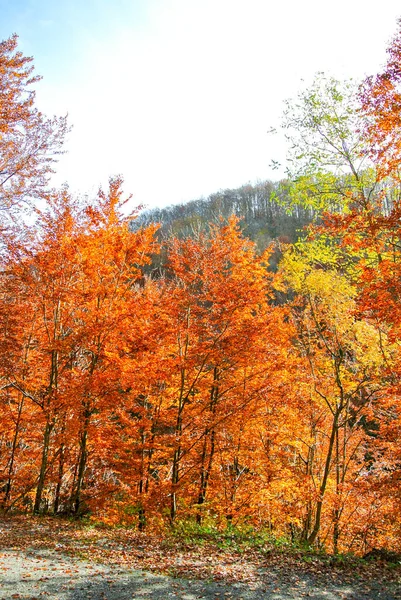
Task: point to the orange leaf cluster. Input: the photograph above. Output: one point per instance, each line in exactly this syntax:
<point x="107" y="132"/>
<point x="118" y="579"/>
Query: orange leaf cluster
<point x="210" y="389"/>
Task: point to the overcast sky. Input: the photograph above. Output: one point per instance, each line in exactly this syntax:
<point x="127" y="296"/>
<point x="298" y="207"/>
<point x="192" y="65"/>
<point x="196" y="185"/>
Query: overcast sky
<point x="178" y="95"/>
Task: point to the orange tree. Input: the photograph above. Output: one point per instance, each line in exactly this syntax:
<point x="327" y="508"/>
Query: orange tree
<point x="29" y="142"/>
<point x="221" y="339"/>
<point x="76" y="284"/>
<point x="111" y="320"/>
<point x="44" y="275"/>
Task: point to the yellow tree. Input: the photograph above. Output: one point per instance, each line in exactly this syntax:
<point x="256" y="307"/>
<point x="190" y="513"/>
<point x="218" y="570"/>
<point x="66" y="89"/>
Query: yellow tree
<point x="344" y="359"/>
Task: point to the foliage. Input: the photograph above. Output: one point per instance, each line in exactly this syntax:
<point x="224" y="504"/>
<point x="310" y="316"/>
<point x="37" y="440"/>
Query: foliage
<point x="29" y="142"/>
<point x="265" y="210"/>
<point x="174" y="379"/>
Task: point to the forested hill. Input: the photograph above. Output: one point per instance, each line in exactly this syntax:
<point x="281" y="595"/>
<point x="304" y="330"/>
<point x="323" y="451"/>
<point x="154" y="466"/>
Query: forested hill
<point x="264" y="209"/>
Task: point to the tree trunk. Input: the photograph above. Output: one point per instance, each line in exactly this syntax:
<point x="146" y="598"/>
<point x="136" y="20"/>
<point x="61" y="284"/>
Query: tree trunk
<point x="12" y="457"/>
<point x="175" y="471"/>
<point x="312" y="537"/>
<point x="175" y="477"/>
<point x="141" y="486"/>
<point x="209" y="436"/>
<point x="308" y="517"/>
<point x="53" y="381"/>
<point x="83" y="455"/>
<point x="43" y="466"/>
<point x="205" y="474"/>
<point x="59" y="479"/>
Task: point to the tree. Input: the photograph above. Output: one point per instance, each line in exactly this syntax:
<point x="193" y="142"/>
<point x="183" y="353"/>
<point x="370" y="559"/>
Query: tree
<point x="220" y="296"/>
<point x="327" y="162"/>
<point x="343" y="355"/>
<point x="380" y="98"/>
<point x="77" y="282"/>
<point x="109" y="317"/>
<point x="29" y="142"/>
<point x="47" y="272"/>
<point x="357" y="187"/>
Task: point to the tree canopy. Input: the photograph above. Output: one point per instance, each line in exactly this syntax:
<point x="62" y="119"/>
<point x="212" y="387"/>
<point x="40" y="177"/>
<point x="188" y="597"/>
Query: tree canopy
<point x="155" y="368"/>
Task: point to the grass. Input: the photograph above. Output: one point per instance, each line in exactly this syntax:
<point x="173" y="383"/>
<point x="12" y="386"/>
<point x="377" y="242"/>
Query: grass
<point x="235" y="538"/>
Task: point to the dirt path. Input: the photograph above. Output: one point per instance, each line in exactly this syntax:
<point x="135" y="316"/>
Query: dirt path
<point x="47" y="574"/>
<point x="46" y="559"/>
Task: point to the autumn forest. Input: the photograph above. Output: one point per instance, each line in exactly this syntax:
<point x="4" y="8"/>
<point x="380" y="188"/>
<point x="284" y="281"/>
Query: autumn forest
<point x="233" y="363"/>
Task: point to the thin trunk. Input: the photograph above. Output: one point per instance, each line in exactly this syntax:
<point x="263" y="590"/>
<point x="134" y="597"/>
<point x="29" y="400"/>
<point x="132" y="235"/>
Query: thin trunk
<point x="205" y="473"/>
<point x="209" y="436"/>
<point x="12" y="457"/>
<point x="17" y="429"/>
<point x="53" y="381"/>
<point x="83" y="441"/>
<point x="336" y="516"/>
<point x="175" y="471"/>
<point x="43" y="466"/>
<point x="150" y="452"/>
<point x="83" y="455"/>
<point x="309" y="472"/>
<point x="312" y="538"/>
<point x="60" y="474"/>
<point x="141" y="486"/>
<point x="59" y="479"/>
<point x="175" y="476"/>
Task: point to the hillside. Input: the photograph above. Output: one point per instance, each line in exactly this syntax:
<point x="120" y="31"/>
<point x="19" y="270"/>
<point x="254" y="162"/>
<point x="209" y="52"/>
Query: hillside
<point x="264" y="210"/>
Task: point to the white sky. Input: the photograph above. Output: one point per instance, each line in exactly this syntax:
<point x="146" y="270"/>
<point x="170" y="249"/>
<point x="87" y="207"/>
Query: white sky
<point x="178" y="95"/>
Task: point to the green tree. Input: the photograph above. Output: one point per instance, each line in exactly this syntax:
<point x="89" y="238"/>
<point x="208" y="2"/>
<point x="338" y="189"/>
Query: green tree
<point x="326" y="160"/>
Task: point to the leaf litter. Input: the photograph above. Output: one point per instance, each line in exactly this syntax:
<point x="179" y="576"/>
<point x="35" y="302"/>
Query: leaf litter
<point x="267" y="572"/>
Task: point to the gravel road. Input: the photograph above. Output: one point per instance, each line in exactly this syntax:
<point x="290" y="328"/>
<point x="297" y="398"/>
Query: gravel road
<point x="47" y="574"/>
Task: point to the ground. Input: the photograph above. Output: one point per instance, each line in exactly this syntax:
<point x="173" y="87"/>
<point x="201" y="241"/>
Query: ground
<point x="61" y="560"/>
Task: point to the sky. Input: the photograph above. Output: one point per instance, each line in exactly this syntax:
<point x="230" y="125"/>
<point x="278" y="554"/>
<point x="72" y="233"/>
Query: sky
<point x="178" y="96"/>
